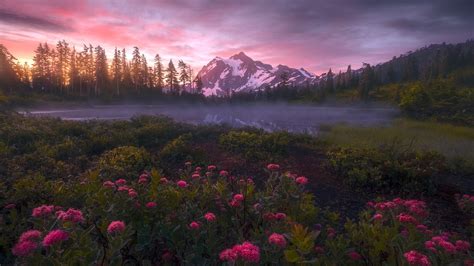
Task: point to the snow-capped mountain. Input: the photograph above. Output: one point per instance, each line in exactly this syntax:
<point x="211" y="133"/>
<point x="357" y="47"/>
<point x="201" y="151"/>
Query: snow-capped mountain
<point x="239" y="73"/>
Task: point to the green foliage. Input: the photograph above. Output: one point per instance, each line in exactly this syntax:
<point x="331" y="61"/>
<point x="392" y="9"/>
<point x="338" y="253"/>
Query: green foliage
<point x="124" y="162"/>
<point x="387" y="170"/>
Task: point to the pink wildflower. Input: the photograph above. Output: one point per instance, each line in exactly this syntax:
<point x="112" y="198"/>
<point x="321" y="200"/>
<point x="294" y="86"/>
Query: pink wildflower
<point x="120" y="182"/>
<point x="108" y="184"/>
<point x="195" y="176"/>
<point x="210" y="217"/>
<point x="234" y="203"/>
<point x="10" y="206"/>
<point x="163" y="180"/>
<point x="223" y="173"/>
<point x="413" y="257"/>
<point x="406" y="218"/>
<point x="24" y="248"/>
<point x="228" y="255"/>
<point x="30" y="235"/>
<point x="354" y="255"/>
<point x="211" y="168"/>
<point x="462" y="245"/>
<point x="55" y="237"/>
<point x="187" y="163"/>
<point x="238" y="197"/>
<point x="277" y="240"/>
<point x="151" y="205"/>
<point x="378" y="217"/>
<point x="430" y="245"/>
<point x="280" y="216"/>
<point x="116" y="227"/>
<point x="273" y="167"/>
<point x="123" y="188"/>
<point x="194" y="225"/>
<point x="43" y="211"/>
<point x="248" y="252"/>
<point x="198" y="169"/>
<point x="301" y="180"/>
<point x="448" y="247"/>
<point x="71" y="215"/>
<point x="182" y="184"/>
<point x="132" y="193"/>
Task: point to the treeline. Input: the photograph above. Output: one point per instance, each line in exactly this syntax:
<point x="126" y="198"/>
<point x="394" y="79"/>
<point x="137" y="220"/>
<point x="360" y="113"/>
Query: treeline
<point x="435" y="62"/>
<point x="63" y="70"/>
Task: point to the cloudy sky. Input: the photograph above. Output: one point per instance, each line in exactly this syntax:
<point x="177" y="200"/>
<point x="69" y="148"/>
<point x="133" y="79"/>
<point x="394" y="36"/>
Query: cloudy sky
<point x="312" y="34"/>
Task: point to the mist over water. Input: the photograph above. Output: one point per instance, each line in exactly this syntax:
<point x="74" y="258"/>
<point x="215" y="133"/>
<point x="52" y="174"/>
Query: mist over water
<point x="269" y="117"/>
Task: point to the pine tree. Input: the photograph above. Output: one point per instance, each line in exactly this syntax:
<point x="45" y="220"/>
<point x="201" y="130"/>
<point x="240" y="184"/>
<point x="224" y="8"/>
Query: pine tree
<point x="158" y="73"/>
<point x="171" y="78"/>
<point x="73" y="72"/>
<point x="136" y="68"/>
<point x="144" y="73"/>
<point x="116" y="70"/>
<point x="183" y="74"/>
<point x="62" y="64"/>
<point x="330" y="81"/>
<point x="101" y="71"/>
<point x="126" y="75"/>
<point x="367" y="81"/>
<point x="8" y="77"/>
<point x="199" y="85"/>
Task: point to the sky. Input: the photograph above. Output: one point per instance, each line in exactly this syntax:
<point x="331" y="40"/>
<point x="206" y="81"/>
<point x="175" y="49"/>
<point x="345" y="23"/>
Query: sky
<point x="316" y="35"/>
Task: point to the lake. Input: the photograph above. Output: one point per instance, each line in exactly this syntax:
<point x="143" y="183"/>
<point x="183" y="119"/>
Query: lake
<point x="269" y="117"/>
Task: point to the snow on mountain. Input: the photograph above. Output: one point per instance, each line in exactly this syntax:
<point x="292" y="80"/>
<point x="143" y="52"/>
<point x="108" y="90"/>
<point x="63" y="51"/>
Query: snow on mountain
<point x="240" y="73"/>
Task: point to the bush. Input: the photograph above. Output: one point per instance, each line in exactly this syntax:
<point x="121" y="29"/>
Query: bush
<point x="124" y="162"/>
<point x="213" y="218"/>
<point x="386" y="170"/>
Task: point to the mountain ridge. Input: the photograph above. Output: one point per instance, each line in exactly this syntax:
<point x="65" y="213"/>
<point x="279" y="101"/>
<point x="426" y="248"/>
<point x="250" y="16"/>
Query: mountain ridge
<point x="240" y="73"/>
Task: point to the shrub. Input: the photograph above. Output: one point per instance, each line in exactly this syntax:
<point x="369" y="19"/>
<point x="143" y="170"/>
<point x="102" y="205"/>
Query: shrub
<point x="387" y="170"/>
<point x="212" y="218"/>
<point x="124" y="162"/>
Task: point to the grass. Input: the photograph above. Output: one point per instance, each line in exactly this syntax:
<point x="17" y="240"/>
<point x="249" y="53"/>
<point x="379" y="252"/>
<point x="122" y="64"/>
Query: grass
<point x="454" y="142"/>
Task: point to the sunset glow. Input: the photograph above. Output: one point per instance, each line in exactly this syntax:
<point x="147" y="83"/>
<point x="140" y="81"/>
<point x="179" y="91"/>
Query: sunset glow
<point x="311" y="34"/>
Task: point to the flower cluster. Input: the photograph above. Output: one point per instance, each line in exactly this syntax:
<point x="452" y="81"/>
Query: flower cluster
<point x="71" y="215"/>
<point x="246" y="251"/>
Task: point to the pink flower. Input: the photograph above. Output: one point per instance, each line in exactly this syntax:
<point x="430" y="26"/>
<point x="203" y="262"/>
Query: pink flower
<point x="413" y="257"/>
<point x="448" y="247"/>
<point x="163" y="180"/>
<point x="430" y="245"/>
<point x="210" y="217"/>
<point x="228" y="255"/>
<point x="354" y="255"/>
<point x="463" y="245"/>
<point x="378" y="217"/>
<point x="151" y="205"/>
<point x="248" y="252"/>
<point x="194" y="225"/>
<point x="277" y="240"/>
<point x="195" y="176"/>
<point x="132" y="193"/>
<point x="223" y="173"/>
<point x="280" y="216"/>
<point x="406" y="218"/>
<point x="123" y="188"/>
<point x="302" y="180"/>
<point x="269" y="216"/>
<point x="143" y="179"/>
<point x="55" y="237"/>
<point x="198" y="169"/>
<point x="273" y="167"/>
<point x="30" y="235"/>
<point x="116" y="227"/>
<point x="187" y="163"/>
<point x="24" y="248"/>
<point x="10" y="206"/>
<point x="238" y="197"/>
<point x="108" y="184"/>
<point x="319" y="249"/>
<point x="71" y="215"/>
<point x="121" y="182"/>
<point x="211" y="168"/>
<point x="182" y="184"/>
<point x="234" y="203"/>
<point x="43" y="211"/>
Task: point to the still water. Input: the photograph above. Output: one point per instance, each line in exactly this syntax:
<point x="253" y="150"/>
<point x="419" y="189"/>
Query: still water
<point x="269" y="117"/>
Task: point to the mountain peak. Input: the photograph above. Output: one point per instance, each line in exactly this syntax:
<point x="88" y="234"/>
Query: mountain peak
<point x="242" y="56"/>
<point x="240" y="73"/>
